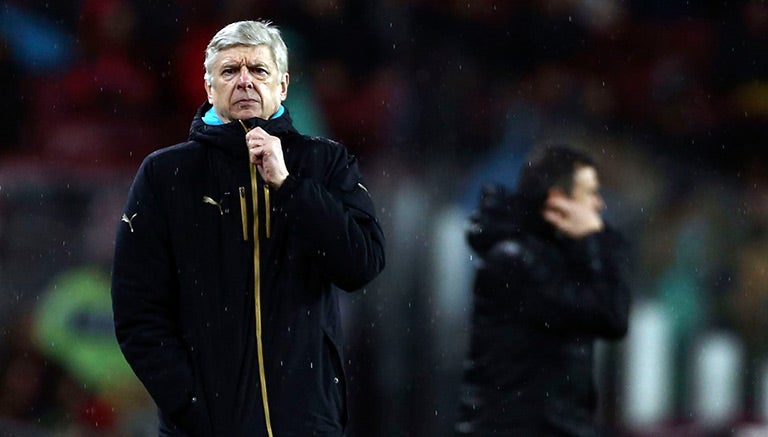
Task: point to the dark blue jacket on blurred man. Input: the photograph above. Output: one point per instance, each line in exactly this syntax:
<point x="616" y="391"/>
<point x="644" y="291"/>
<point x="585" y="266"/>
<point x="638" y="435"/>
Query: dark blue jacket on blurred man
<point x="550" y="281"/>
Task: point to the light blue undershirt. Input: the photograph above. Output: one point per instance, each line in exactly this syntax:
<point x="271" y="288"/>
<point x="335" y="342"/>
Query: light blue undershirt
<point x="212" y="119"/>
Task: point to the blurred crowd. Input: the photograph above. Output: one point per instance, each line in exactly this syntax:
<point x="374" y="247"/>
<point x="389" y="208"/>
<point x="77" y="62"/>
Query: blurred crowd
<point x="435" y="98"/>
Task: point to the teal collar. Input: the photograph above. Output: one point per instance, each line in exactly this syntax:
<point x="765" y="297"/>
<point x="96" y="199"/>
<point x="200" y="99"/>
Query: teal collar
<point x="279" y="112"/>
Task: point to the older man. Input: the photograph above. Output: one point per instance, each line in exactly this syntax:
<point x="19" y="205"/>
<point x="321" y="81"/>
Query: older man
<point x="229" y="253"/>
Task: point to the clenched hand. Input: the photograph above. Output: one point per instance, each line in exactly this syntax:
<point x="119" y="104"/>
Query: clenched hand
<point x="266" y="152"/>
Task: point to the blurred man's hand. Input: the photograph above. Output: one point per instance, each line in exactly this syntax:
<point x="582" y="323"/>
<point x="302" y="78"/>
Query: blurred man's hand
<point x="574" y="219"/>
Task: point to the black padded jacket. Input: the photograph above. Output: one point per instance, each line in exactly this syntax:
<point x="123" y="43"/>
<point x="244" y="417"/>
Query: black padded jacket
<point x="225" y="291"/>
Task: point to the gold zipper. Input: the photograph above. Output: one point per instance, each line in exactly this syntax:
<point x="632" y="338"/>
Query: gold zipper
<point x="257" y="285"/>
<point x="267" y="211"/>
<point x="243" y="212"/>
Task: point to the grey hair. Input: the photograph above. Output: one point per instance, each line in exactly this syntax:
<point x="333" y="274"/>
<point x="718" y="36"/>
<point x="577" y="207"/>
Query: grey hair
<point x="247" y="33"/>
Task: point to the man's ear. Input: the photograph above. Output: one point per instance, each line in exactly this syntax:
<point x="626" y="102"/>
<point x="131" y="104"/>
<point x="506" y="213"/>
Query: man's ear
<point x="551" y="204"/>
<point x="284" y="87"/>
<point x="208" y="91"/>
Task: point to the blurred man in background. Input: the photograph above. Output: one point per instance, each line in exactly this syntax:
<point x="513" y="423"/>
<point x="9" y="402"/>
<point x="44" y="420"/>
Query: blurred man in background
<point x="550" y="281"/>
<point x="228" y="255"/>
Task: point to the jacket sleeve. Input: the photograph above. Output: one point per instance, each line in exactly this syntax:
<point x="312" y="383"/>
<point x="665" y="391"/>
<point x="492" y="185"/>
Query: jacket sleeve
<point x="145" y="300"/>
<point x="579" y="290"/>
<point x="338" y="220"/>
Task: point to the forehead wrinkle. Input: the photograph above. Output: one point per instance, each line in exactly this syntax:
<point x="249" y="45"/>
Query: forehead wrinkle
<point x="247" y="55"/>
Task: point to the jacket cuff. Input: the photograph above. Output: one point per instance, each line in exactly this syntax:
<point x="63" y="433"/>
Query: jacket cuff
<point x="288" y="187"/>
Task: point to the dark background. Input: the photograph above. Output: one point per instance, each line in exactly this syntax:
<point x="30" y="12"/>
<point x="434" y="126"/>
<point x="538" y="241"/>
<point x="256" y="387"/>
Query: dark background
<point x="435" y="98"/>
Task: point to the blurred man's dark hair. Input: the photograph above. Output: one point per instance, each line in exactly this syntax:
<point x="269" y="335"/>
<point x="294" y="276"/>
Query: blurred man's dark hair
<point x="548" y="167"/>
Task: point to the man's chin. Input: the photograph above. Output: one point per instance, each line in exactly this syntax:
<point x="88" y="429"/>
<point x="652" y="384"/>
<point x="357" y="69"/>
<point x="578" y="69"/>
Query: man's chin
<point x="246" y="114"/>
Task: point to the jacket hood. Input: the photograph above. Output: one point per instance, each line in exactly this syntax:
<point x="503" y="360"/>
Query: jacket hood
<point x="230" y="137"/>
<point x="503" y="214"/>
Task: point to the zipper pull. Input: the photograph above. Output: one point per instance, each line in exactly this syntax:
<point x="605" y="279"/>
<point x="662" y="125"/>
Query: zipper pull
<point x="247" y="129"/>
<point x="243" y="212"/>
<point x="267" y="211"/>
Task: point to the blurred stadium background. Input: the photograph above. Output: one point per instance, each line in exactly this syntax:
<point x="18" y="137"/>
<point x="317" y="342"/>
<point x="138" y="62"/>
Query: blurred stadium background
<point x="435" y="98"/>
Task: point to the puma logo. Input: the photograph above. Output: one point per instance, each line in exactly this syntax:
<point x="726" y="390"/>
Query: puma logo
<point x="210" y="201"/>
<point x="129" y="220"/>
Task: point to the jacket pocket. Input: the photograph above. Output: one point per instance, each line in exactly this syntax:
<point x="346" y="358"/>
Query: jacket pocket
<point x="195" y="419"/>
<point x="336" y="381"/>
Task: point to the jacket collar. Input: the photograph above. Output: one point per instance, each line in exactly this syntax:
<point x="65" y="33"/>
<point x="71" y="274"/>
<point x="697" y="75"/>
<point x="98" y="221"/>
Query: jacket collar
<point x="230" y="137"/>
<point x="504" y="214"/>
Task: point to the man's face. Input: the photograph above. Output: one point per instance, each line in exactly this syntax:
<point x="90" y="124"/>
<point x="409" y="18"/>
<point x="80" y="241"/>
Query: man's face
<point x="246" y="83"/>
<point x="586" y="188"/>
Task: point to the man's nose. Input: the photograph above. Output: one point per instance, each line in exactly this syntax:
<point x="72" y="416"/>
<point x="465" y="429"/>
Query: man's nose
<point x="244" y="79"/>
